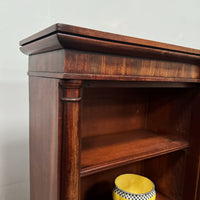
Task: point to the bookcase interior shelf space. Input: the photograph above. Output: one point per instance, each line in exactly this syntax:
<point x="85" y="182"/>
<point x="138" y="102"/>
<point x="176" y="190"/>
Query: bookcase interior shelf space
<point x="161" y="170"/>
<point x="122" y="131"/>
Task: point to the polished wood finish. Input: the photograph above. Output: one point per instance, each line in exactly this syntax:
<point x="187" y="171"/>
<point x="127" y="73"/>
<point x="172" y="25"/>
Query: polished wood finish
<point x="161" y="197"/>
<point x="175" y="108"/>
<point x="119" y="110"/>
<point x="64" y="36"/>
<point x="102" y="105"/>
<point x="114" y="77"/>
<point x="193" y="158"/>
<point x="45" y="139"/>
<point x="99" y="185"/>
<point x="99" y="153"/>
<point x="59" y="41"/>
<point x="197" y="191"/>
<point x="74" y="30"/>
<point x="79" y="62"/>
<point x="70" y="172"/>
<point x="167" y="172"/>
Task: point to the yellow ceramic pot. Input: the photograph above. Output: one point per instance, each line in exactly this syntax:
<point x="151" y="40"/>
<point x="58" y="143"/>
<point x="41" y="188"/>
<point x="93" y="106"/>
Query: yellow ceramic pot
<point x="133" y="187"/>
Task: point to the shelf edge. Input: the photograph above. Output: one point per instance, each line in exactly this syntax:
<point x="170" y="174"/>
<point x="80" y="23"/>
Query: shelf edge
<point x="128" y="160"/>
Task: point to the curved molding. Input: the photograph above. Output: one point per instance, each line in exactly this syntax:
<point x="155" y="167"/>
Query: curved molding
<point x="46" y="44"/>
<point x="89" y="40"/>
<point x="71" y="90"/>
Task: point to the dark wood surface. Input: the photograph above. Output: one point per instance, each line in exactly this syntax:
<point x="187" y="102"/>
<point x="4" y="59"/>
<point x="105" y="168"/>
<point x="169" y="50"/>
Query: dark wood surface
<point x="102" y="105"/>
<point x="60" y="41"/>
<point x="113" y="77"/>
<point x="161" y="197"/>
<point x="136" y="84"/>
<point x="70" y="172"/>
<point x="69" y="37"/>
<point x="47" y="62"/>
<point x="167" y="172"/>
<point x="100" y="185"/>
<point x="198" y="182"/>
<point x="175" y="107"/>
<point x="112" y="110"/>
<point x="90" y="33"/>
<point x="45" y="139"/>
<point x="193" y="167"/>
<point x="93" y="63"/>
<point x="84" y="63"/>
<point x="108" y="151"/>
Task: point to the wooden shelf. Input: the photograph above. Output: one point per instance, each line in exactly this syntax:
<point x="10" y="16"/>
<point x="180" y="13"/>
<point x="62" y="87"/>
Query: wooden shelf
<point x="104" y="152"/>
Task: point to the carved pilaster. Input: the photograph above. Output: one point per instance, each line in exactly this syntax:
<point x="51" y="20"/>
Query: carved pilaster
<point x="70" y="159"/>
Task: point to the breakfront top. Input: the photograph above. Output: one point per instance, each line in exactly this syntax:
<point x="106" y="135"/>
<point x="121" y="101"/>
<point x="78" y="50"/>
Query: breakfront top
<point x="95" y="55"/>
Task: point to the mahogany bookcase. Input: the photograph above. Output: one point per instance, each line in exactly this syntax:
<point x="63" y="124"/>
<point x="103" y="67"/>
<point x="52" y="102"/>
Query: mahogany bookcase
<point x="102" y="105"/>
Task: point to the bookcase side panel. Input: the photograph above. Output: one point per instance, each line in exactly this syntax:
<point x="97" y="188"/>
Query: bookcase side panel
<point x="44" y="138"/>
<point x="191" y="188"/>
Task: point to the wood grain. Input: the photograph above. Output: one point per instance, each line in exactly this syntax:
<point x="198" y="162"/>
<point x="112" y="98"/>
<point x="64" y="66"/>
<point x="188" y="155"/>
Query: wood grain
<point x="105" y="152"/>
<point x="191" y="188"/>
<point x="112" y="110"/>
<point x="175" y="107"/>
<point x="85" y="32"/>
<point x="167" y="172"/>
<point x="93" y="63"/>
<point x="78" y="62"/>
<point x="65" y="36"/>
<point x="70" y="173"/>
<point x="44" y="139"/>
<point x="67" y="41"/>
<point x="136" y="84"/>
<point x="50" y="61"/>
<point x="114" y="77"/>
<point x="161" y="197"/>
<point x="198" y="182"/>
<point x="102" y="105"/>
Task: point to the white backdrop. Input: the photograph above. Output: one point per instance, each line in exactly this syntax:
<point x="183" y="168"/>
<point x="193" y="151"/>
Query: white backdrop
<point x="172" y="21"/>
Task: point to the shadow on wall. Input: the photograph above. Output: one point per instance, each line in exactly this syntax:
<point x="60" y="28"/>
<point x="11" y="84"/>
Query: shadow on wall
<point x="14" y="141"/>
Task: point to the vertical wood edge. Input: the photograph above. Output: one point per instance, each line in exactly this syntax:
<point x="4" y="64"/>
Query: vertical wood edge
<point x="191" y="185"/>
<point x="70" y="97"/>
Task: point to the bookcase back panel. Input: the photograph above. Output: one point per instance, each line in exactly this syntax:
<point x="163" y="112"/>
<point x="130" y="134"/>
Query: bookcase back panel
<point x="112" y="110"/>
<point x="166" y="111"/>
<point x="170" y="111"/>
<point x="168" y="173"/>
